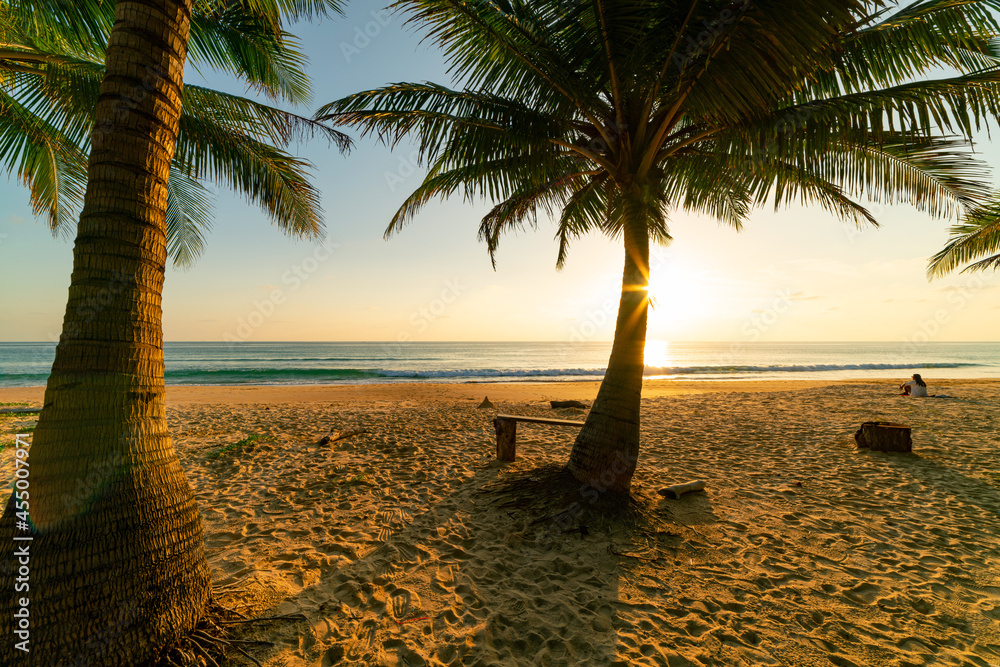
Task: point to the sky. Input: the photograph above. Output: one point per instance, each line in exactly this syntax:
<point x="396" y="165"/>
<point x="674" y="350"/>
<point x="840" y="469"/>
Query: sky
<point x="797" y="274"/>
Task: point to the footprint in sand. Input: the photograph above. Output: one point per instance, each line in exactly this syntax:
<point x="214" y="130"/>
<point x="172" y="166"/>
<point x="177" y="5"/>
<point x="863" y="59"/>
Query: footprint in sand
<point x="399" y="602"/>
<point x="863" y="593"/>
<point x="364" y="640"/>
<point x="384" y="572"/>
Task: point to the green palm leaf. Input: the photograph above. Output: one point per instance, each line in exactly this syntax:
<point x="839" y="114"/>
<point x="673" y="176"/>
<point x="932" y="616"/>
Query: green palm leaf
<point x="977" y="235"/>
<point x="51" y="78"/>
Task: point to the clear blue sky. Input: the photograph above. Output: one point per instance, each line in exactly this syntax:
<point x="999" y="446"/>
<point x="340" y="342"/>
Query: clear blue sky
<point x="798" y="274"/>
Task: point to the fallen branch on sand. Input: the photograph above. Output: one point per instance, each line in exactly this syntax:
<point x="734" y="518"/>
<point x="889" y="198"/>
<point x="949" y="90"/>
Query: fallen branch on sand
<point x="336" y="435"/>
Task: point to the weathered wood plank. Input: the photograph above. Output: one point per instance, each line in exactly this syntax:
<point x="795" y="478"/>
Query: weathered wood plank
<point x="541" y="420"/>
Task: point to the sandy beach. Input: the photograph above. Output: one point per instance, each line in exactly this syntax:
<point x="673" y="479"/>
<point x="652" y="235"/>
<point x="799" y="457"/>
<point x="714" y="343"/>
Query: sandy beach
<point x="402" y="546"/>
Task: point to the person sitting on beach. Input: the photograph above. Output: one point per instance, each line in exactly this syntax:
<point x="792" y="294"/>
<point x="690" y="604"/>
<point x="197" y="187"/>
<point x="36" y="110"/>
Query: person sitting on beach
<point x="915" y="387"/>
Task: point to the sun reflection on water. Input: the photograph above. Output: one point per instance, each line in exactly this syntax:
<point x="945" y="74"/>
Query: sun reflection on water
<point x="657" y="354"/>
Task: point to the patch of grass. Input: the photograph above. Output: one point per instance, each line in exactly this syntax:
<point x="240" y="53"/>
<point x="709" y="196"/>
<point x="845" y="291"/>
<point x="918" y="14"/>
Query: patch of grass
<point x="358" y="479"/>
<point x="245" y="445"/>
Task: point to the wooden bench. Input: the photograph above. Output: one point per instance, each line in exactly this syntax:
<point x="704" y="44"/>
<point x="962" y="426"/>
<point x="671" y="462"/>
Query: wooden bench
<point x="506" y="427"/>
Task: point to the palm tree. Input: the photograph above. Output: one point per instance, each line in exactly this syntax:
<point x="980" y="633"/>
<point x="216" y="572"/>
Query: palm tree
<point x="114" y="568"/>
<point x="613" y="115"/>
<point x="49" y="81"/>
<point x="978" y="234"/>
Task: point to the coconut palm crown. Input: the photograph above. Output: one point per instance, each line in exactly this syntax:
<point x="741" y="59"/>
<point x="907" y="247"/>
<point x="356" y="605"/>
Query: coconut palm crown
<point x="51" y="64"/>
<point x="612" y="116"/>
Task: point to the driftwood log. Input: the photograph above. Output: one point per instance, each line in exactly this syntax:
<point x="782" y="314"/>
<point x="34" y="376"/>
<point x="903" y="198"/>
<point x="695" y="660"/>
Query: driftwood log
<point x="569" y="404"/>
<point x="884" y="437"/>
<point x="341" y="435"/>
<point x="677" y="490"/>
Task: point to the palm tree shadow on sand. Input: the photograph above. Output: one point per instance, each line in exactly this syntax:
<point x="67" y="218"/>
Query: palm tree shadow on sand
<point x="510" y="568"/>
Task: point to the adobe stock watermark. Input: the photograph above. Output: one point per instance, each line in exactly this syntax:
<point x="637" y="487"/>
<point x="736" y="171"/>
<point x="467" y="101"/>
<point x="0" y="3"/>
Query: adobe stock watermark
<point x="293" y="279"/>
<point x="422" y="318"/>
<point x="124" y="105"/>
<point x="759" y="322"/>
<point x="696" y="46"/>
<point x="762" y="320"/>
<point x="93" y="305"/>
<point x="595" y="319"/>
<point x="363" y="35"/>
<point x="852" y="232"/>
<point x="405" y="168"/>
<point x="590" y="492"/>
<point x="22" y="545"/>
<point x="958" y="297"/>
<point x="97" y="474"/>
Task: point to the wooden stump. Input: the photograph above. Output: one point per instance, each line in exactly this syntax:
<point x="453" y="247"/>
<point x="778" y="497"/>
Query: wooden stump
<point x="506" y="438"/>
<point x="884" y="437"/>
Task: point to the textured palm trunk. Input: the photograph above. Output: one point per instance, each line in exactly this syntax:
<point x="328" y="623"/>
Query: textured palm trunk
<point x="607" y="449"/>
<point x="115" y="566"/>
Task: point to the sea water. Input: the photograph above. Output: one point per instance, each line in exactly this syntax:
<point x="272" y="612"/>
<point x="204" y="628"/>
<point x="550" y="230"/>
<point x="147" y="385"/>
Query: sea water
<point x="28" y="364"/>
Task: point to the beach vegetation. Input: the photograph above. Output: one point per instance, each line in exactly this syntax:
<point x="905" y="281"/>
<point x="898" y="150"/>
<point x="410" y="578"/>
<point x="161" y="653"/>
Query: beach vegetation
<point x="94" y="597"/>
<point x="359" y="479"/>
<point x="247" y="444"/>
<point x="610" y="117"/>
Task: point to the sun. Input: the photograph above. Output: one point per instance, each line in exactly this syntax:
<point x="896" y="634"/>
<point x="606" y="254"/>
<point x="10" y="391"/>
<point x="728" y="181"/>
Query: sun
<point x="678" y="299"/>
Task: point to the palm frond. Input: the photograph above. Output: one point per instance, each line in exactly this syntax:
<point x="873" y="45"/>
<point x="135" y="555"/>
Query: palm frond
<point x="972" y="238"/>
<point x="45" y="160"/>
<point x="207" y="149"/>
<point x="189" y="218"/>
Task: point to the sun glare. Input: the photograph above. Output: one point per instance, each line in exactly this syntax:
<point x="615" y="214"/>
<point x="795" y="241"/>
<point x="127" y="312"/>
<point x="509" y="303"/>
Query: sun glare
<point x="657" y="354"/>
<point x="677" y="299"/>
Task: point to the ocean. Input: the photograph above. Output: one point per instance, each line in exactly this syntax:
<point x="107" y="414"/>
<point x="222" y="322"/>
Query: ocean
<point x="28" y="364"/>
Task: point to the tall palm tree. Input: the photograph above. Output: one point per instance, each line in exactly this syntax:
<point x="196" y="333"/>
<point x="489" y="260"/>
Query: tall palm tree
<point x="49" y="80"/>
<point x="614" y="114"/>
<point x="105" y="548"/>
<point x="975" y="239"/>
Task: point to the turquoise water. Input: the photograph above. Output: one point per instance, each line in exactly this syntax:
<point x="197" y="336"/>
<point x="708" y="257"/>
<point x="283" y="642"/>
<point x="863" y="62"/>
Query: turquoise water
<point x="28" y="364"/>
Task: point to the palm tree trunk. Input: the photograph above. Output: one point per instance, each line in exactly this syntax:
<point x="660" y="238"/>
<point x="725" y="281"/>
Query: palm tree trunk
<point x="115" y="567"/>
<point x="607" y="449"/>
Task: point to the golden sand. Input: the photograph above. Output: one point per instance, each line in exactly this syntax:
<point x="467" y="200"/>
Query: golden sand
<point x="803" y="550"/>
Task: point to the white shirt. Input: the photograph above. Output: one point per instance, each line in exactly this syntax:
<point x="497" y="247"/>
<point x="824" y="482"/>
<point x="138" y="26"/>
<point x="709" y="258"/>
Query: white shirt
<point x="915" y="389"/>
